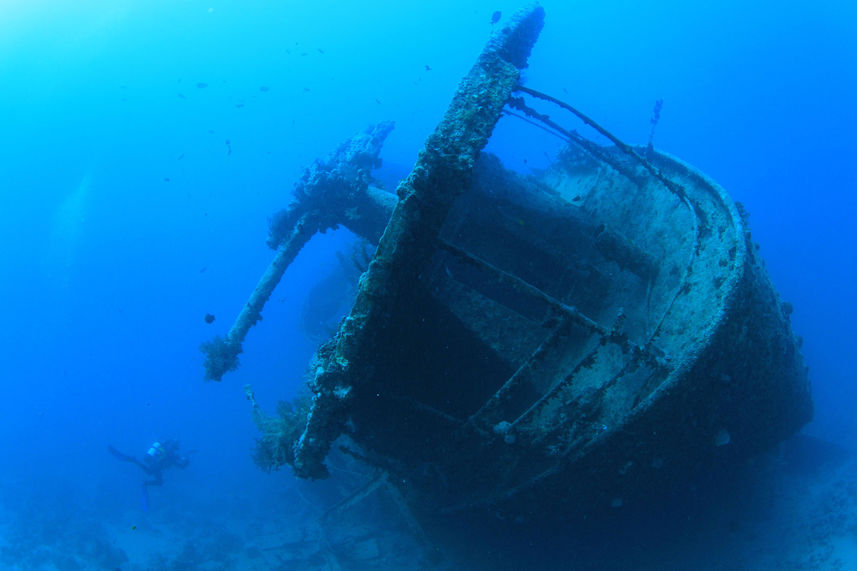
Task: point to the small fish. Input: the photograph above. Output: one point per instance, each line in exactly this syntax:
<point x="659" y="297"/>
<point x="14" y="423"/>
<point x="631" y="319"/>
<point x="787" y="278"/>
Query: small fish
<point x="239" y="105"/>
<point x="209" y="318"/>
<point x="428" y="67"/>
<point x="166" y="179"/>
<point x="321" y="51"/>
<point x="228" y="147"/>
<point x="201" y="85"/>
<point x="495" y="17"/>
<point x="264" y="88"/>
<point x="133" y="527"/>
<point x="181" y="96"/>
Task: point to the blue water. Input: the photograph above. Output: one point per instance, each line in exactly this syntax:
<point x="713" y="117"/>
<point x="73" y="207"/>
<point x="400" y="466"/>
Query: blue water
<point x="145" y="144"/>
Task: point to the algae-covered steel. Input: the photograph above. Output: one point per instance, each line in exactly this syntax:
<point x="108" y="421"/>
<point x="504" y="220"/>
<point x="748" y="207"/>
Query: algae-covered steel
<point x="564" y="340"/>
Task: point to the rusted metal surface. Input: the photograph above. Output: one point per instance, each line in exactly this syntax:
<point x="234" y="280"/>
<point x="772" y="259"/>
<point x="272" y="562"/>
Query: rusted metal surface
<point x="568" y="340"/>
<point x="443" y="171"/>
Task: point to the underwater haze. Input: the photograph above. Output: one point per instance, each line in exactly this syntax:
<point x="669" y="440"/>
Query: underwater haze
<point x="146" y="145"/>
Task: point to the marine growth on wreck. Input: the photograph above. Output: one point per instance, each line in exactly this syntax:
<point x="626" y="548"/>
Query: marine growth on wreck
<point x="528" y="344"/>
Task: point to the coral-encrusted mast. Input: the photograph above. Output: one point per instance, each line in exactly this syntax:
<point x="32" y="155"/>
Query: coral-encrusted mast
<point x="443" y="171"/>
<point x="332" y="191"/>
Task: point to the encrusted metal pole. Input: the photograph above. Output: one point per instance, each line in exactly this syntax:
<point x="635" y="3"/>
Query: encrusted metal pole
<point x="443" y="171"/>
<point x="332" y="191"/>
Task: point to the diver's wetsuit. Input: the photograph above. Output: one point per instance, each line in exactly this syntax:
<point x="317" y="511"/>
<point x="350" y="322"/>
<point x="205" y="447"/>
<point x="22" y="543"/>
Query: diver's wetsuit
<point x="159" y="458"/>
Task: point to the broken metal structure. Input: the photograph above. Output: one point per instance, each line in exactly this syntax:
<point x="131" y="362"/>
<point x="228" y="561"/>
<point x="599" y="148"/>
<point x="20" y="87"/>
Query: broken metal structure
<point x="523" y="344"/>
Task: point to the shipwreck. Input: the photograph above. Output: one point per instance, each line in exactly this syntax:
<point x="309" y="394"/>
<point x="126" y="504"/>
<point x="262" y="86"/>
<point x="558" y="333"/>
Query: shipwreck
<point x="527" y="344"/>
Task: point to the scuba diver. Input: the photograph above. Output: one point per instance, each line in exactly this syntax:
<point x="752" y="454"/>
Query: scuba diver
<point x="160" y="456"/>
